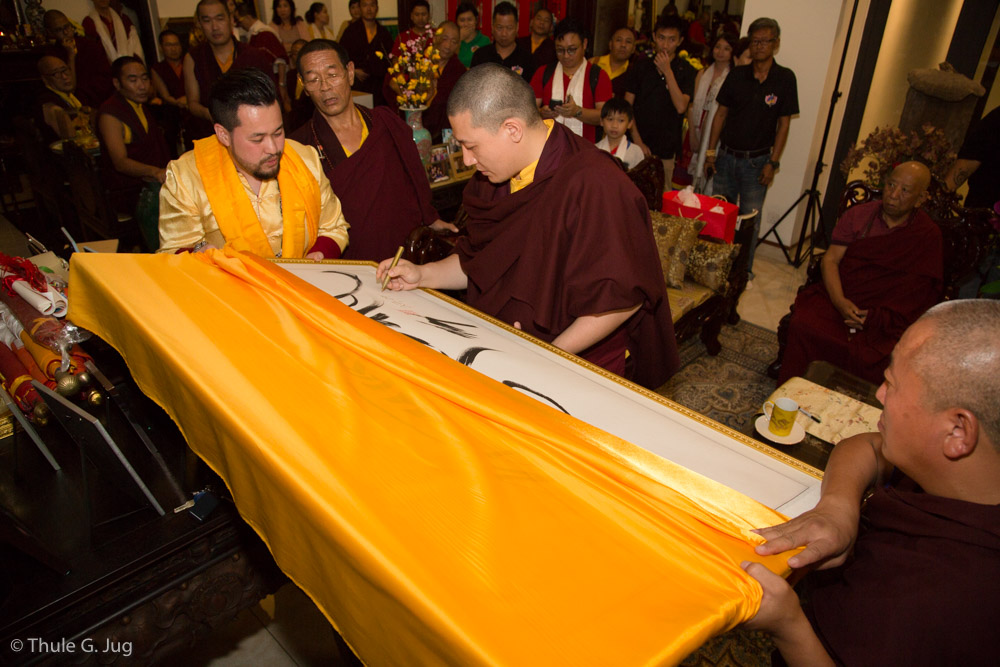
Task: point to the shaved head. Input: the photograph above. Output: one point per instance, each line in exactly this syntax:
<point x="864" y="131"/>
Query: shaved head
<point x="491" y="94"/>
<point x="919" y="172"/>
<point x="958" y="359"/>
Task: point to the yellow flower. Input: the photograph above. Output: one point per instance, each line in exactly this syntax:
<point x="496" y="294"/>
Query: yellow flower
<point x="379" y="54"/>
<point x="412" y="84"/>
<point x="400" y="99"/>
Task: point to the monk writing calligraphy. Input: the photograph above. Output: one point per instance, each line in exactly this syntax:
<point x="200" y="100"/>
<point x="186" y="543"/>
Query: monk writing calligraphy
<point x="560" y="243"/>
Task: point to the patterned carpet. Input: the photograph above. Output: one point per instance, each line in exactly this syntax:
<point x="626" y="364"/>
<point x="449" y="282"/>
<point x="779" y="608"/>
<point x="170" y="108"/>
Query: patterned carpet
<point x="731" y="387"/>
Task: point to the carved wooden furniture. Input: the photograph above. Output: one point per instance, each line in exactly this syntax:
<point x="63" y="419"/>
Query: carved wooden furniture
<point x="706" y="320"/>
<point x="967" y="237"/>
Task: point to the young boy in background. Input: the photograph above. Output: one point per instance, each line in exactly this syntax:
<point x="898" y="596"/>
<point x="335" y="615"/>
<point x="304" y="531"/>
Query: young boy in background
<point x="616" y="119"/>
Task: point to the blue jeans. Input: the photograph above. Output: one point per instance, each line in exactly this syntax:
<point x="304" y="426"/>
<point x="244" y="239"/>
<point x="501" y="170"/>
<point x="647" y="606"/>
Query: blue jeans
<point x="738" y="179"/>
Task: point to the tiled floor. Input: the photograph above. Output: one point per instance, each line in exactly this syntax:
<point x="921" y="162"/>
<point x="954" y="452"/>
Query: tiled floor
<point x="288" y="629"/>
<point x="774" y="288"/>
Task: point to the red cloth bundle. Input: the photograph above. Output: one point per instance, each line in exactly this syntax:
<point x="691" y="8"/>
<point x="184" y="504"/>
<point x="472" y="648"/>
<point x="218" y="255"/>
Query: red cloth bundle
<point x="17" y="380"/>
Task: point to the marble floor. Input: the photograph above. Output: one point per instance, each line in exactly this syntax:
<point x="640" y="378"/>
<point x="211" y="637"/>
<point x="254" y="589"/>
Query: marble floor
<point x="773" y="290"/>
<point x="287" y="629"/>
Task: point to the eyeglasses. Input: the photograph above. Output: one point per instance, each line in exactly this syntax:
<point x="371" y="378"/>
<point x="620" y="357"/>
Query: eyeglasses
<point x="316" y="82"/>
<point x="761" y="42"/>
<point x="568" y="51"/>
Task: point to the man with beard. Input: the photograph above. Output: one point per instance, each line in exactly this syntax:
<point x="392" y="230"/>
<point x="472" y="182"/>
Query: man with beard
<point x="365" y="154"/>
<point x="538" y="255"/>
<point x="208" y="61"/>
<point x="241" y="188"/>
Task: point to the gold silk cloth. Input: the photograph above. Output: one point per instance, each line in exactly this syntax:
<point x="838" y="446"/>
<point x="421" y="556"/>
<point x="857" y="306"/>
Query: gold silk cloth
<point x="433" y="514"/>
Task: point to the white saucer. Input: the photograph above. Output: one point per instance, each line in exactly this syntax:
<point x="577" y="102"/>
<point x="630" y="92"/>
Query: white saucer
<point x="797" y="435"/>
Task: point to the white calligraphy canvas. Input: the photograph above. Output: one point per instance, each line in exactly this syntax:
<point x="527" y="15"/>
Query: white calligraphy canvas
<point x="566" y="383"/>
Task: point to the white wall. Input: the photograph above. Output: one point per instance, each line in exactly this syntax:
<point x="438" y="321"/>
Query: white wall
<point x="811" y="43"/>
<point x="73" y="9"/>
<point x="917" y="36"/>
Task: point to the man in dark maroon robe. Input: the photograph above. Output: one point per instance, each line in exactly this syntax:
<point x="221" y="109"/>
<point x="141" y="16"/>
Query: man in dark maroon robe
<point x="560" y="243"/>
<point x="133" y="150"/>
<point x="915" y="581"/>
<point x="882" y="271"/>
<point x="84" y="56"/>
<point x="370" y="46"/>
<point x="451" y="70"/>
<point x="381" y="183"/>
<point x="208" y="61"/>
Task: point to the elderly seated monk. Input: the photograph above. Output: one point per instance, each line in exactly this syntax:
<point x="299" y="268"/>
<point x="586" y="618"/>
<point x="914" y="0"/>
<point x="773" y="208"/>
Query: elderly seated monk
<point x="61" y="111"/>
<point x="882" y="271"/>
<point x="248" y="187"/>
<point x="83" y="55"/>
<point x="907" y="529"/>
<point x="539" y="254"/>
<point x="368" y="155"/>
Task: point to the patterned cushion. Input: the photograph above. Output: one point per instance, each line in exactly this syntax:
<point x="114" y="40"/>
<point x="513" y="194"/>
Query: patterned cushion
<point x="674" y="239"/>
<point x="709" y="263"/>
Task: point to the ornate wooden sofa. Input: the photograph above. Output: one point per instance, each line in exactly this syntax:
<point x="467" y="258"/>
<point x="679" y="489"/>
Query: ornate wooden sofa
<point x="967" y="233"/>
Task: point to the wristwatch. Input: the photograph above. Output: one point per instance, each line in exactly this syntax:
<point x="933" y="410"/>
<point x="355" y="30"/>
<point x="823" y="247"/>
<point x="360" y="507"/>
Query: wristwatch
<point x="578" y="113"/>
<point x="774" y="164"/>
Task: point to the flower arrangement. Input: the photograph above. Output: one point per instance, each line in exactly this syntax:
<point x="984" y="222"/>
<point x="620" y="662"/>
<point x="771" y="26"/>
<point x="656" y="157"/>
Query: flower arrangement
<point x="886" y="147"/>
<point x="693" y="62"/>
<point x="414" y="70"/>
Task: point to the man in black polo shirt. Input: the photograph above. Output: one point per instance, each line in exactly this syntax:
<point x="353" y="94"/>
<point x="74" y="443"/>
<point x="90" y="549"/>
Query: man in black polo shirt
<point x="505" y="49"/>
<point x="659" y="90"/>
<point x="756" y="104"/>
<point x="979" y="163"/>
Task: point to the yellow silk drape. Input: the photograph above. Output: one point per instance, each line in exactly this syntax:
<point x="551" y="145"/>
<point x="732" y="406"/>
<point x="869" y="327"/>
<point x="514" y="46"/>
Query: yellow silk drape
<point x="434" y="515"/>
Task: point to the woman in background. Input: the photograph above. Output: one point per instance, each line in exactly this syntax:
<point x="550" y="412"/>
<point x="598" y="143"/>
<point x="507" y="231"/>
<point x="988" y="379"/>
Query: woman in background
<point x="703" y="105"/>
<point x="354" y="9"/>
<point x="318" y="22"/>
<point x="470" y="39"/>
<point x="289" y="26"/>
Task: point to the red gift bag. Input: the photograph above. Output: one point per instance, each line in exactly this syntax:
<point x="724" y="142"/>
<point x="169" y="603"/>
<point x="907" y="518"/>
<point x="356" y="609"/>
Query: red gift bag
<point x="717" y="225"/>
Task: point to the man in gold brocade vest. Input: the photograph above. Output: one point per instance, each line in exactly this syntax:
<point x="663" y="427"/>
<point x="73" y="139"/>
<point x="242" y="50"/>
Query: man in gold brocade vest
<point x="240" y="187"/>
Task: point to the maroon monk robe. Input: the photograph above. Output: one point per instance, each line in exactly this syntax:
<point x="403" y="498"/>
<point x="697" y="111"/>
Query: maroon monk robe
<point x="372" y="57"/>
<point x="93" y="73"/>
<point x="436" y="115"/>
<point x="576" y="241"/>
<point x="207" y="72"/>
<point x="147" y="147"/>
<point x="923" y="586"/>
<point x="173" y="81"/>
<point x="382" y="187"/>
<point x="896" y="277"/>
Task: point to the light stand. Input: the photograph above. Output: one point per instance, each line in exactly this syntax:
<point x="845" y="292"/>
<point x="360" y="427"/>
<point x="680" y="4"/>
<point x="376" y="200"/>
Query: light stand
<point x="814" y="208"/>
